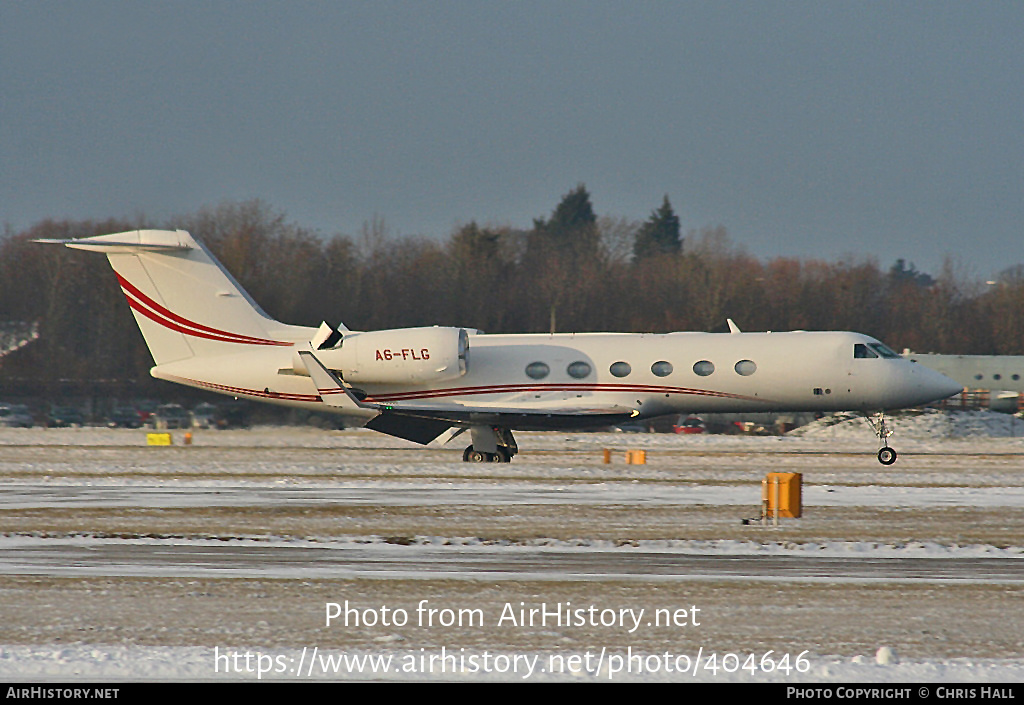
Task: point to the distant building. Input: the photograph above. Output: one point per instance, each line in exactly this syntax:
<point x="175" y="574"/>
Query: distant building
<point x="993" y="381"/>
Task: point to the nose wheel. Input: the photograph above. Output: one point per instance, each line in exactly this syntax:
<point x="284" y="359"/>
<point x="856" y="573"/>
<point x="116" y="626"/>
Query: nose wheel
<point x="887" y="456"/>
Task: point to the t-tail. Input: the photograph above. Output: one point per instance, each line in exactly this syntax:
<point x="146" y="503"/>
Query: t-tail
<point x="186" y="304"/>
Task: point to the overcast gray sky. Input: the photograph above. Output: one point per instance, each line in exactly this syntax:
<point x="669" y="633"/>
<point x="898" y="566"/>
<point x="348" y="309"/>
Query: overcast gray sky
<point x="811" y="129"/>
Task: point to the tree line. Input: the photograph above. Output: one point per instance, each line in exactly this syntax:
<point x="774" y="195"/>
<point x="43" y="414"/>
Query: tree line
<point x="569" y="271"/>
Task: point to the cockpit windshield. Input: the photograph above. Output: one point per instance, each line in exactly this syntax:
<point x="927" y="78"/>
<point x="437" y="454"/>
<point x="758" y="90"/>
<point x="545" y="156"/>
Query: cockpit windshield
<point x="885" y="351"/>
<point x="873" y="350"/>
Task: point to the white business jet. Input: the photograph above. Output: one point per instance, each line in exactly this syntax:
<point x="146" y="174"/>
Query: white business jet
<point x="204" y="331"/>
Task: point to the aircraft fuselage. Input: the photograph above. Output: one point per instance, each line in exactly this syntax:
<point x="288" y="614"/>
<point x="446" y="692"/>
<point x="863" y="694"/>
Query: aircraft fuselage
<point x="653" y="374"/>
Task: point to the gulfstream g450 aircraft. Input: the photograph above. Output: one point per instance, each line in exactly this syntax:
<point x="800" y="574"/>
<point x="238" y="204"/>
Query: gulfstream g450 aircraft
<point x="204" y="330"/>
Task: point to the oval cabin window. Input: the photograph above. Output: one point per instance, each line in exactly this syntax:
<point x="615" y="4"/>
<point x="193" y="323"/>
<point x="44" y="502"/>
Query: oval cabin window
<point x="703" y="368"/>
<point x="745" y="368"/>
<point x="620" y="369"/>
<point x="662" y="368"/>
<point x="578" y="369"/>
<point x="537" y="370"/>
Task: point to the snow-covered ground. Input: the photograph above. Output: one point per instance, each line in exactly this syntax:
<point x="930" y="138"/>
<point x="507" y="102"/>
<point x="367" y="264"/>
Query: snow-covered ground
<point x="190" y="663"/>
<point x="917" y="426"/>
<point x="956" y="494"/>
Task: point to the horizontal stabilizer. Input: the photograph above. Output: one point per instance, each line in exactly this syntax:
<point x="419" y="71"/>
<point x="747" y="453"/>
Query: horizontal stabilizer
<point x="133" y="241"/>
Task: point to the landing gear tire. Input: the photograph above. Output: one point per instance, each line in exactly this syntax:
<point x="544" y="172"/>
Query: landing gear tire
<point x="887" y="456"/>
<point x="471" y="455"/>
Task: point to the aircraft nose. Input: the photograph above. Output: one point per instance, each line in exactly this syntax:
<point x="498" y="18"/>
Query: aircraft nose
<point x="915" y="384"/>
<point x="951" y="387"/>
<point x="939" y="386"/>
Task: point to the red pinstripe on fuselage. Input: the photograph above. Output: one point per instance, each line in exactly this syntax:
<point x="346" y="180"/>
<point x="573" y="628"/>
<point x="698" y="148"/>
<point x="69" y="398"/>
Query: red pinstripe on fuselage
<point x="456" y="392"/>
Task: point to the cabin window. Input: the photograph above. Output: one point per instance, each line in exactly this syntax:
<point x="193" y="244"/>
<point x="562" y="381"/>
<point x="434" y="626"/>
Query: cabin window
<point x="537" y="370"/>
<point x="703" y="368"/>
<point x="860" y="350"/>
<point x="578" y="369"/>
<point x="997" y="377"/>
<point x="1015" y="377"/>
<point x="620" y="369"/>
<point x="661" y="368"/>
<point x="745" y="368"/>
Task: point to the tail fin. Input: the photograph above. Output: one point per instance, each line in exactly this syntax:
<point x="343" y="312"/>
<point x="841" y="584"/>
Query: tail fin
<point x="186" y="304"/>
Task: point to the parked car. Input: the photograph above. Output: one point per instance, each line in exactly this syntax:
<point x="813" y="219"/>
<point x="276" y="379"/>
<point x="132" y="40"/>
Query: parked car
<point x="64" y="416"/>
<point x="15" y="416"/>
<point x="146" y="408"/>
<point x="691" y="424"/>
<point x="233" y="414"/>
<point x="205" y="415"/>
<point x="169" y="416"/>
<point x="124" y="417"/>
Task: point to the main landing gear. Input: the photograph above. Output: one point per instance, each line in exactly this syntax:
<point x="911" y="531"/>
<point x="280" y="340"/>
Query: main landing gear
<point x="471" y="455"/>
<point x="886" y="455"/>
<point x="490" y="445"/>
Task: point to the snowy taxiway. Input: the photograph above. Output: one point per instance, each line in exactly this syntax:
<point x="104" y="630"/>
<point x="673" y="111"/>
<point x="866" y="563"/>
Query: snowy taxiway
<point x="120" y="560"/>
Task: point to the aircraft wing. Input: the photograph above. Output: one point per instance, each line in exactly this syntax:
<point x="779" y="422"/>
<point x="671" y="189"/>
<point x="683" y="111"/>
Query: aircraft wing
<point x="422" y="423"/>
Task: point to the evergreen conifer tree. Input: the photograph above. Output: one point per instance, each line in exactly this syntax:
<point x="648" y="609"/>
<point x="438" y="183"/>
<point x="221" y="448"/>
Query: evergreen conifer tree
<point x="659" y="235"/>
<point x="571" y="230"/>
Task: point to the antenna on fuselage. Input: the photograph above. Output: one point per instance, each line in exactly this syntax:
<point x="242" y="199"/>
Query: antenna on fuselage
<point x="733" y="328"/>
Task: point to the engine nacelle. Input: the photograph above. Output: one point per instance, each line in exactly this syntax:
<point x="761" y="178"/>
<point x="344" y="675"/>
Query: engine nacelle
<point x="396" y="356"/>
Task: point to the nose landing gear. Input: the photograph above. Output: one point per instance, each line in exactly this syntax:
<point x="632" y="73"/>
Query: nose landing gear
<point x="886" y="455"/>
